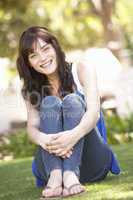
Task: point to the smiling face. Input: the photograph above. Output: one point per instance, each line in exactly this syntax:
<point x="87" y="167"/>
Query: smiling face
<point x="43" y="58"/>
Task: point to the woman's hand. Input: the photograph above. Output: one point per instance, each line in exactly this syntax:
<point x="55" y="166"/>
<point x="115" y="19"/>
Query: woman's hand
<point x="61" y="144"/>
<point x="45" y="139"/>
<point x="67" y="155"/>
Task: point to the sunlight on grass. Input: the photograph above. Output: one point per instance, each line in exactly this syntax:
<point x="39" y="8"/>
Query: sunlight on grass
<point x="18" y="182"/>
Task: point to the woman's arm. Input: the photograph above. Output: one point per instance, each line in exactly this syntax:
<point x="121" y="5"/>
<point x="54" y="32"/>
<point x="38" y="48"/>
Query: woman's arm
<point x="36" y="136"/>
<point x="88" y="79"/>
<point x="33" y="121"/>
<point x="65" y="141"/>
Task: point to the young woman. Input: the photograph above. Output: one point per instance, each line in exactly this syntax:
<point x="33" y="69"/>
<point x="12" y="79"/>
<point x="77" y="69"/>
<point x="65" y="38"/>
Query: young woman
<point x="65" y="122"/>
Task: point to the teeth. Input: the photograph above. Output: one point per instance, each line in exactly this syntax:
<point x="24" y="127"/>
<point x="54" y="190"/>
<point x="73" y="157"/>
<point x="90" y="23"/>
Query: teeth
<point x="47" y="64"/>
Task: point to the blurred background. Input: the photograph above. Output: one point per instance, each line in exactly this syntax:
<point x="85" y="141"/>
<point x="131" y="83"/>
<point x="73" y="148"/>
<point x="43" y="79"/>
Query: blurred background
<point x="99" y="30"/>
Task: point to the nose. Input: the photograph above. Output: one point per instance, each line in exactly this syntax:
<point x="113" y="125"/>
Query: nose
<point x="42" y="57"/>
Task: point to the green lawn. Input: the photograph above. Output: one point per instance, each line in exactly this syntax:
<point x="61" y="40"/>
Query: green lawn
<point x="17" y="182"/>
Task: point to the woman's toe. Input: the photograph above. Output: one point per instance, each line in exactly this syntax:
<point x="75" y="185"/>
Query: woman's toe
<point x="76" y="189"/>
<point x="57" y="191"/>
<point x="52" y="192"/>
<point x="65" y="192"/>
<point x="48" y="192"/>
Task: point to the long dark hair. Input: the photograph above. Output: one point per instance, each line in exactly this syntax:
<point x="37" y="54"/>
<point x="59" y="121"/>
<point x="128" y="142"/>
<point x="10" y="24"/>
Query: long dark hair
<point x="35" y="84"/>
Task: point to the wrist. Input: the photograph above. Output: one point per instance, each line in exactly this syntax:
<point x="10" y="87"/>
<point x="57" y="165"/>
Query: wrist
<point x="76" y="135"/>
<point x="39" y="138"/>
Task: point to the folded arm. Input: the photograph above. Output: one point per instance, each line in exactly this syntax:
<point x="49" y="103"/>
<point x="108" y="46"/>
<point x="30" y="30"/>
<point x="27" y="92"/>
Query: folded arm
<point x="88" y="79"/>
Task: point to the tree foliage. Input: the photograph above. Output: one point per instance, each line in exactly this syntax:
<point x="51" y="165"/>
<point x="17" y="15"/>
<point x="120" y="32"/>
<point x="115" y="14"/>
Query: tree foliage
<point x="76" y="23"/>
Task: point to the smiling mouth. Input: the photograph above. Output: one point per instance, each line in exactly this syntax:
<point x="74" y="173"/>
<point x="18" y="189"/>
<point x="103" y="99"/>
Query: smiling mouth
<point x="47" y="64"/>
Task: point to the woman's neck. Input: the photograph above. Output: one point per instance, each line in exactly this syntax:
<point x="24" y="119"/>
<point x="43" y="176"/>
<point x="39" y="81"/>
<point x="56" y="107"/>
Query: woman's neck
<point x="54" y="80"/>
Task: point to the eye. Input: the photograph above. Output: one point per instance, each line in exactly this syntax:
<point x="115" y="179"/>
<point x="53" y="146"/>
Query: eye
<point x="46" y="48"/>
<point x="32" y="56"/>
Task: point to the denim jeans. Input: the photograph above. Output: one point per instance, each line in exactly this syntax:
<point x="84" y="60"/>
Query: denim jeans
<point x="97" y="157"/>
<point x="58" y="115"/>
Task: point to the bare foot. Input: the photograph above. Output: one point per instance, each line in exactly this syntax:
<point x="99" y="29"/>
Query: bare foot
<point x="71" y="183"/>
<point x="54" y="185"/>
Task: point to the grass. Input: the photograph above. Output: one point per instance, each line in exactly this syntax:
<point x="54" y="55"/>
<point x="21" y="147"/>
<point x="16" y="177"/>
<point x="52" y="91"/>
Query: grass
<point x="17" y="182"/>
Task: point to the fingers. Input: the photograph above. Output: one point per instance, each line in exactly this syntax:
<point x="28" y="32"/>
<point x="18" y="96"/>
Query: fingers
<point x="62" y="153"/>
<point x="55" y="137"/>
<point x="52" y="148"/>
<point x="68" y="154"/>
<point x="55" y="142"/>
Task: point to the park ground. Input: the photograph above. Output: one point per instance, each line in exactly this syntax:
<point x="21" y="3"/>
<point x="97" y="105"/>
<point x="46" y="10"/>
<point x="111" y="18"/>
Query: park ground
<point x="17" y="182"/>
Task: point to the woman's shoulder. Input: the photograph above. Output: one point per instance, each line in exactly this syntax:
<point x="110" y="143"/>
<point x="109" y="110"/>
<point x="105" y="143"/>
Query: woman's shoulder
<point x="83" y="73"/>
<point x="84" y="68"/>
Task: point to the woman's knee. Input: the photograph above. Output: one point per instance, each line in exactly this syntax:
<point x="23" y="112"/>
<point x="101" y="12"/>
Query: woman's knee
<point x="73" y="100"/>
<point x="50" y="102"/>
<point x="50" y="108"/>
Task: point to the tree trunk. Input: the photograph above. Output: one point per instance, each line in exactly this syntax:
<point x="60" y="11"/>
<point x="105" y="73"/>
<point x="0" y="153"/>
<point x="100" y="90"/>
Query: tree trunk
<point x="112" y="34"/>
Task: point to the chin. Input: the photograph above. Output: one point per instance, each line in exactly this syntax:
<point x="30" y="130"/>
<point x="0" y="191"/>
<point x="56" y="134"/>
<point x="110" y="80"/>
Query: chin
<point x="50" y="71"/>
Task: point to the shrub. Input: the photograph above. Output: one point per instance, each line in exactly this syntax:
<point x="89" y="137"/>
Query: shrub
<point x="119" y="129"/>
<point x="17" y="144"/>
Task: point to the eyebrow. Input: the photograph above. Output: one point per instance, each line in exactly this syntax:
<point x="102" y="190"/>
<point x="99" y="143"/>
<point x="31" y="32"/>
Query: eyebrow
<point x="44" y="46"/>
<point x="33" y="52"/>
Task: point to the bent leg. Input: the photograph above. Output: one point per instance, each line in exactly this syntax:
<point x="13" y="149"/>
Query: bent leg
<point x="50" y="122"/>
<point x="96" y="158"/>
<point x="73" y="108"/>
